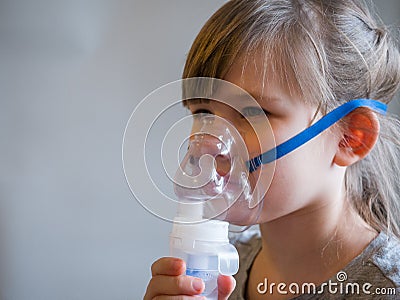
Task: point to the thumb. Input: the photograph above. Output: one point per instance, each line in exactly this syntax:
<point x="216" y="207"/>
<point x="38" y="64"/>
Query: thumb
<point x="226" y="285"/>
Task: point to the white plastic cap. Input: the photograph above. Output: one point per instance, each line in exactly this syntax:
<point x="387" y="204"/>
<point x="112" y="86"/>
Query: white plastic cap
<point x="209" y="230"/>
<point x="205" y="245"/>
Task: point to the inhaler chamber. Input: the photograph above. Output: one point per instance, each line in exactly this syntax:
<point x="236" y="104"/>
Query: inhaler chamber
<point x="206" y="250"/>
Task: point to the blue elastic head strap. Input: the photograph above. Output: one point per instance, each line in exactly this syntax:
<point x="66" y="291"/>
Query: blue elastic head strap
<point x="312" y="131"/>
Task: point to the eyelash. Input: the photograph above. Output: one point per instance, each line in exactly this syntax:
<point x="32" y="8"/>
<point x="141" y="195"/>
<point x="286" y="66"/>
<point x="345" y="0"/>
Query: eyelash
<point x="202" y="111"/>
<point x="251" y="109"/>
<point x="243" y="114"/>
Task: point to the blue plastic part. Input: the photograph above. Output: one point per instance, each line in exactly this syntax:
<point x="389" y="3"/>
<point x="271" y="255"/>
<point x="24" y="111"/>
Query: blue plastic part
<point x="314" y="130"/>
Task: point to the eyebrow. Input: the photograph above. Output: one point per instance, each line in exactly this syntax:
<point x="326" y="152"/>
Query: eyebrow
<point x="261" y="99"/>
<point x="194" y="101"/>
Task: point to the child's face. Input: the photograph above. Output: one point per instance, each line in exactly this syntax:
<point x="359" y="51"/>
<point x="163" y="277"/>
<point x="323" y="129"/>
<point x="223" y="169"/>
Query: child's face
<point x="304" y="179"/>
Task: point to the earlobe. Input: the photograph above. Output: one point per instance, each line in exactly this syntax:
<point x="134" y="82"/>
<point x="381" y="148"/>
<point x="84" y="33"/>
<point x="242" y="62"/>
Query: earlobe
<point x="359" y="135"/>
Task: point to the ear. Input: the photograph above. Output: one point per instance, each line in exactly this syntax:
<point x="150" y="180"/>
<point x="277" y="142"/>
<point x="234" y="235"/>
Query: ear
<point x="359" y="131"/>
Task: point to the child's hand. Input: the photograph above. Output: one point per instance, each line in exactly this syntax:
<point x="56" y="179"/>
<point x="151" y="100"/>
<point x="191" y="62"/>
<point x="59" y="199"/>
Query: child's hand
<point x="169" y="281"/>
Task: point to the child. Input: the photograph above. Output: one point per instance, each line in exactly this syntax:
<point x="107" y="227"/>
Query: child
<point x="329" y="225"/>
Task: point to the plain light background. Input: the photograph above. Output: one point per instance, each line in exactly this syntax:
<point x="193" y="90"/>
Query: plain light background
<point x="71" y="73"/>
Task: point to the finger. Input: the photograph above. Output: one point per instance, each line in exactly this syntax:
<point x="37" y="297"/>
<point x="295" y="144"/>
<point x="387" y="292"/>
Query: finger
<point x="168" y="266"/>
<point x="226" y="285"/>
<point x="174" y="285"/>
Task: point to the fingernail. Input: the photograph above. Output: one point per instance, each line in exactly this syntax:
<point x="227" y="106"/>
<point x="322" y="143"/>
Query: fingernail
<point x="178" y="265"/>
<point x="197" y="284"/>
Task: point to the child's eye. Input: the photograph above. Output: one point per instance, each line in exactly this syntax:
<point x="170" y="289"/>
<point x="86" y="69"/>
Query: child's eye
<point x="202" y="111"/>
<point x="253" y="111"/>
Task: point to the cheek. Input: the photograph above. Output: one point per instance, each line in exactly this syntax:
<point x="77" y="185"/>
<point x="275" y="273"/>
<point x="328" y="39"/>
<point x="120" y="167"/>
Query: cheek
<point x="259" y="138"/>
<point x="288" y="190"/>
<point x="300" y="178"/>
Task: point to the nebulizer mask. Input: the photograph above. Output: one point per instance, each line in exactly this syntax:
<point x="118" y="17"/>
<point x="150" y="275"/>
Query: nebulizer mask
<point x="213" y="180"/>
<point x="219" y="170"/>
<point x="213" y="185"/>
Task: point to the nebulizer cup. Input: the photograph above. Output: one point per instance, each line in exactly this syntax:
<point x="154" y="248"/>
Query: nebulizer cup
<point x="212" y="183"/>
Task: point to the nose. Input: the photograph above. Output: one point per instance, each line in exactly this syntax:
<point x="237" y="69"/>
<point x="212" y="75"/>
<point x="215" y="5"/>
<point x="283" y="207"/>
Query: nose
<point x="206" y="144"/>
<point x="223" y="164"/>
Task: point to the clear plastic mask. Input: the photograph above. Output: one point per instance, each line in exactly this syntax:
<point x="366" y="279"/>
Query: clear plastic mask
<point x="214" y="173"/>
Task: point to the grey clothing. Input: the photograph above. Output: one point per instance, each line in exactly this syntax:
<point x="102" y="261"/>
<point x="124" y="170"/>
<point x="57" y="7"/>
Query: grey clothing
<point x="374" y="274"/>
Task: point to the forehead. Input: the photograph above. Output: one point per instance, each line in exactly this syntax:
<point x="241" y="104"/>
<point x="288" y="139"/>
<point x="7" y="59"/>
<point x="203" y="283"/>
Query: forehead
<point x="262" y="79"/>
<point x="212" y="91"/>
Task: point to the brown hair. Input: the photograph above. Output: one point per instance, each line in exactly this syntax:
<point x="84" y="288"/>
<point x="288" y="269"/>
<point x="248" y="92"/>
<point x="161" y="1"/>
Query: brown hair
<point x="335" y="51"/>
